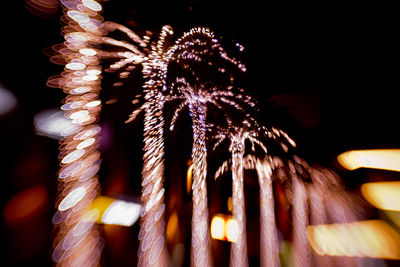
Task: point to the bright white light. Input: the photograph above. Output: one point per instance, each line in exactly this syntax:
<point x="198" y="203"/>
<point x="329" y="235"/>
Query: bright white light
<point x="85" y="143"/>
<point x="81" y="90"/>
<point x="79" y="114"/>
<point x="74" y="155"/>
<point x="90" y="77"/>
<point x="93" y="5"/>
<point x="92" y="104"/>
<point x="78" y="16"/>
<point x="93" y="72"/>
<point x="232" y="230"/>
<point x="72" y="198"/>
<point x="7" y="100"/>
<point x="75" y="66"/>
<point x="53" y="124"/>
<point x="217" y="228"/>
<point x="87" y="51"/>
<point x="121" y="213"/>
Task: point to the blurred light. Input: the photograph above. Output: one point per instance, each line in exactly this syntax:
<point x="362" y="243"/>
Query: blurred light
<point x="93" y="5"/>
<point x="230" y="204"/>
<point x="385" y="159"/>
<point x="121" y="213"/>
<point x="189" y="176"/>
<point x="42" y="8"/>
<point x="75" y="66"/>
<point x="72" y="198"/>
<point x="78" y="16"/>
<point x="218" y="227"/>
<point x="90" y="77"/>
<point x="172" y="226"/>
<point x="25" y="204"/>
<point x="85" y="143"/>
<point x="7" y="100"/>
<point x="374" y="239"/>
<point x="117" y="212"/>
<point x="74" y="155"/>
<point x="93" y="104"/>
<point x="224" y="227"/>
<point x="394" y="216"/>
<point x="87" y="51"/>
<point x="232" y="230"/>
<point x="383" y="195"/>
<point x="53" y="124"/>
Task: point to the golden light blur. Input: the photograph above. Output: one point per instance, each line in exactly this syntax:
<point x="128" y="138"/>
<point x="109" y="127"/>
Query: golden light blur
<point x="385" y="159"/>
<point x="224" y="227"/>
<point x="189" y="176"/>
<point x="172" y="226"/>
<point x="374" y="238"/>
<point x="218" y="227"/>
<point x="383" y="195"/>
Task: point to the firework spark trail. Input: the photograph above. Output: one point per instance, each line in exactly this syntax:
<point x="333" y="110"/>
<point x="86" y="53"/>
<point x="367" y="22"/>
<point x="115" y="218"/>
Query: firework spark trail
<point x="269" y="236"/>
<point x="77" y="239"/>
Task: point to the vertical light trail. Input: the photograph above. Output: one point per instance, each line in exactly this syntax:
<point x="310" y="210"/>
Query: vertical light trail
<point x="269" y="236"/>
<point x="301" y="251"/>
<point x="77" y="239"/>
<point x="238" y="248"/>
<point x="200" y="233"/>
<point x="152" y="251"/>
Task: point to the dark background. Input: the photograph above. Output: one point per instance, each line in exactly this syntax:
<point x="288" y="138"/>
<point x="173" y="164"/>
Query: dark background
<point x="325" y="73"/>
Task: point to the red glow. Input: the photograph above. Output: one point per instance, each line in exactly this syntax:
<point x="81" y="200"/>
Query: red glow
<point x="25" y="205"/>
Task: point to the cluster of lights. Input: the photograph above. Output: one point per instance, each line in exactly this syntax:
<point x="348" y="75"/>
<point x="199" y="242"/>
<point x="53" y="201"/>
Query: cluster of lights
<point x="191" y="46"/>
<point x="224" y="227"/>
<point x="77" y="240"/>
<point x="80" y="159"/>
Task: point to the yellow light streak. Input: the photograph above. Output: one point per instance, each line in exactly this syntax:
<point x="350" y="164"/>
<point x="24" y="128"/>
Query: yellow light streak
<point x="383" y="195"/>
<point x="385" y="159"/>
<point x="374" y="238"/>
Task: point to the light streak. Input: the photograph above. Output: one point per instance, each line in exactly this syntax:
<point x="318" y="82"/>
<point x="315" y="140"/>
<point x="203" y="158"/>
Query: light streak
<point x="384" y="159"/>
<point x="269" y="235"/>
<point x="383" y="195"/>
<point x="374" y="238"/>
<point x="77" y="237"/>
